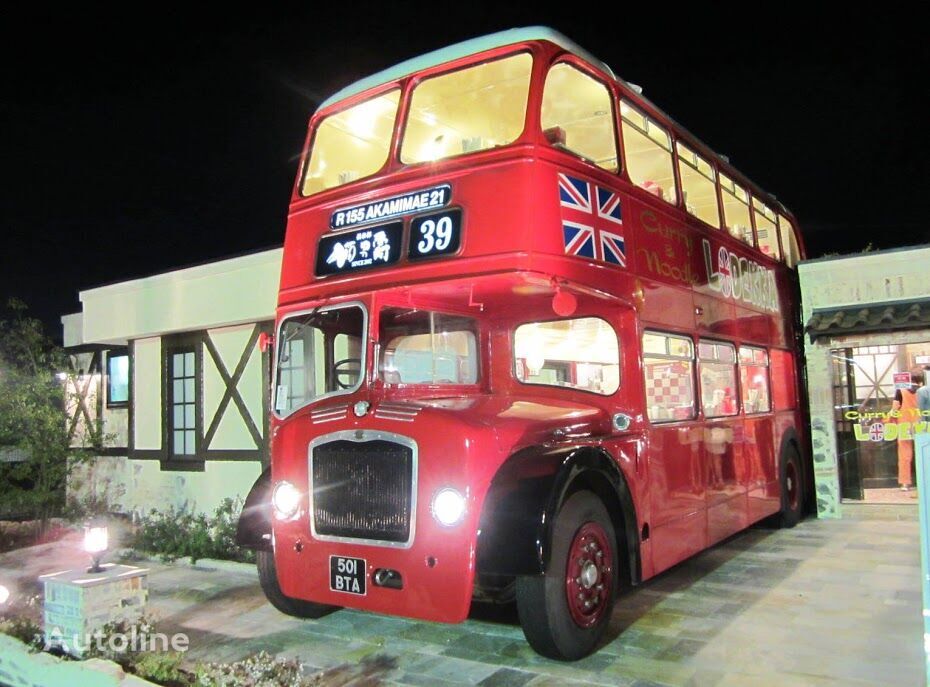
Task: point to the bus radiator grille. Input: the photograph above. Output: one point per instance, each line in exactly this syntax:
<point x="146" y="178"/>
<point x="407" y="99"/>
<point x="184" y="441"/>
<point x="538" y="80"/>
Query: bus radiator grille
<point x="362" y="490"/>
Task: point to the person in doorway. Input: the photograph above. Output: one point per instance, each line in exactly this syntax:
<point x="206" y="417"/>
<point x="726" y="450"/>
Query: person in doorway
<point x="908" y="413"/>
<point x="923" y="395"/>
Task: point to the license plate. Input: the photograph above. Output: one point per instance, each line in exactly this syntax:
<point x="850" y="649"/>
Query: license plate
<point x="347" y="575"/>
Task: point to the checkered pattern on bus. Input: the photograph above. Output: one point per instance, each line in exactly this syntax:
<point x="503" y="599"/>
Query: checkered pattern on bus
<point x="668" y="385"/>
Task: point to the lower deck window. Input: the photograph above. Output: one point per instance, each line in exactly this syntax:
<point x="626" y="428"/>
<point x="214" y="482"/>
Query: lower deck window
<point x="580" y="353"/>
<point x="426" y="347"/>
<point x="718" y="378"/>
<point x="668" y="366"/>
<point x="754" y="379"/>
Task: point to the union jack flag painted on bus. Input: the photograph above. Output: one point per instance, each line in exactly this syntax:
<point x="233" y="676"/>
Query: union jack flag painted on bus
<point x="592" y="221"/>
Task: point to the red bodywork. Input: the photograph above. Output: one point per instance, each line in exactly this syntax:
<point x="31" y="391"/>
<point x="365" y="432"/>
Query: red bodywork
<point x="511" y="264"/>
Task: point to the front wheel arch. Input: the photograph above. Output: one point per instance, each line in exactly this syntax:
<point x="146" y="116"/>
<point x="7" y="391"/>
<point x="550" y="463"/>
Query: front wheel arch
<point x="527" y="492"/>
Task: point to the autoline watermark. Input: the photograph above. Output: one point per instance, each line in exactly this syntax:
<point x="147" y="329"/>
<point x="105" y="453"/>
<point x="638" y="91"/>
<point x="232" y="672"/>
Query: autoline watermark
<point x="135" y="640"/>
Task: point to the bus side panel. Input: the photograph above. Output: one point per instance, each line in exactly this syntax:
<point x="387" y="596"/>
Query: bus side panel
<point x="762" y="453"/>
<point x="677" y="493"/>
<point x="727" y="462"/>
<point x="782" y="368"/>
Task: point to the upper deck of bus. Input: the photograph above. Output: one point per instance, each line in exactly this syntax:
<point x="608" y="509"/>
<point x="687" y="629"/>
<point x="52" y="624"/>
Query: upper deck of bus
<point x="493" y="178"/>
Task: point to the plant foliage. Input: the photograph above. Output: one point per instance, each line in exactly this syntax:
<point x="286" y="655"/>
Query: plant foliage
<point x="34" y="436"/>
<point x="173" y="534"/>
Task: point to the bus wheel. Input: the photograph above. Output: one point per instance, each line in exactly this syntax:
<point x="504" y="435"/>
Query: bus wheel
<point x="792" y="491"/>
<point x="268" y="577"/>
<point x="564" y="613"/>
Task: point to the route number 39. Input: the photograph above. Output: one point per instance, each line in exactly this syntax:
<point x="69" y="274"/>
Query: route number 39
<point x="436" y="234"/>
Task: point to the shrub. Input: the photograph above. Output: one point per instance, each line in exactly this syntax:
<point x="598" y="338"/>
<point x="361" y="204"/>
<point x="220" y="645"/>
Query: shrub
<point x="25" y="630"/>
<point x="259" y="670"/>
<point x="162" y="668"/>
<point x="176" y="533"/>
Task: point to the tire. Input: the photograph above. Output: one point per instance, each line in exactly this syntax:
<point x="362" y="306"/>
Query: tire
<point x="268" y="578"/>
<point x="551" y="607"/>
<point x="792" y="488"/>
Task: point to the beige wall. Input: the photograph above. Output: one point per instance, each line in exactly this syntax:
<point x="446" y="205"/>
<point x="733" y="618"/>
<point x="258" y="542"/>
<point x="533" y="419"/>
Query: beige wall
<point x="146" y="393"/>
<point x="221" y="293"/>
<point x="141" y="486"/>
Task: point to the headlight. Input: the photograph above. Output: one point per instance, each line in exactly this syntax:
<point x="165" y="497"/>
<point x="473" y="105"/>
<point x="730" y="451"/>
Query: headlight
<point x="448" y="507"/>
<point x="286" y="500"/>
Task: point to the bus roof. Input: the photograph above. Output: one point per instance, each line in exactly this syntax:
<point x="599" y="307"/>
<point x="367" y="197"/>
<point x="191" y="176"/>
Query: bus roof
<point x="510" y="37"/>
<point x="463" y="49"/>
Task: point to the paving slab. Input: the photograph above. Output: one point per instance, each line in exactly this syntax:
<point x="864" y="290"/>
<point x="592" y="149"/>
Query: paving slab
<point x="830" y="602"/>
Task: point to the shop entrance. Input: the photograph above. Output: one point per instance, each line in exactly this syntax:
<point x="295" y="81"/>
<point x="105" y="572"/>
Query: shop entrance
<point x="865" y="380"/>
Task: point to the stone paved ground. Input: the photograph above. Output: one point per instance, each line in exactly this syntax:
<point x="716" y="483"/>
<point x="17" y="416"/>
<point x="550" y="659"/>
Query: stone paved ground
<point x="831" y="602"/>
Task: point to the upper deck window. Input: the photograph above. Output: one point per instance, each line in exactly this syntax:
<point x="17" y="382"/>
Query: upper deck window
<point x="468" y="110"/>
<point x="648" y="150"/>
<point x="766" y="228"/>
<point x="698" y="186"/>
<point x="577" y="116"/>
<point x="789" y="242"/>
<point x="736" y="209"/>
<point x="580" y="353"/>
<point x="351" y="144"/>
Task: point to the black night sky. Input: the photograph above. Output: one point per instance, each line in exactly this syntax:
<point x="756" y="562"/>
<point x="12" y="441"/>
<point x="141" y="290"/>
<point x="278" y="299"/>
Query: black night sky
<point x="135" y="143"/>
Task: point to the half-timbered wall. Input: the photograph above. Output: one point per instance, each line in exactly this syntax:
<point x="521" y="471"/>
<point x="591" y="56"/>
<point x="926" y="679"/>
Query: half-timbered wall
<point x="212" y="315"/>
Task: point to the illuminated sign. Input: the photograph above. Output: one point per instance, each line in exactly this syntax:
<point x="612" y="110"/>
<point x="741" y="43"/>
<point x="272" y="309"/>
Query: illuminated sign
<point x="406" y="204"/>
<point x="740" y="278"/>
<point x="902" y="380"/>
<point x="357" y="250"/>
<point x="433" y="235"/>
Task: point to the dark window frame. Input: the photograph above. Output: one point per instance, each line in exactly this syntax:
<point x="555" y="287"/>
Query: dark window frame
<point x="118" y="353"/>
<point x="172" y="345"/>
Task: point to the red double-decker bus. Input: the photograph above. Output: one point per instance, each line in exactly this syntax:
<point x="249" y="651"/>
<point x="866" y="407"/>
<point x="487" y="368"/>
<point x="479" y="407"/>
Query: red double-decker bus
<point x="534" y="341"/>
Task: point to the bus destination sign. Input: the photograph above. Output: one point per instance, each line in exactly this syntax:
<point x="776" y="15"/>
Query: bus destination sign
<point x="406" y="204"/>
<point x="360" y="249"/>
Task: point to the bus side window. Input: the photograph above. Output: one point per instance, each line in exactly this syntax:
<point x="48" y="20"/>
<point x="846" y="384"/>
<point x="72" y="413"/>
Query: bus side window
<point x="789" y="242"/>
<point x="577" y="115"/>
<point x="754" y="379"/>
<point x="766" y="228"/>
<point x="736" y="209"/>
<point x="648" y="150"/>
<point x="717" y="362"/>
<point x="668" y="365"/>
<point x="698" y="186"/>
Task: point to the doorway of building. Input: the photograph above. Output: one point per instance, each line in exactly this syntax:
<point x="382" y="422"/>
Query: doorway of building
<point x="865" y="382"/>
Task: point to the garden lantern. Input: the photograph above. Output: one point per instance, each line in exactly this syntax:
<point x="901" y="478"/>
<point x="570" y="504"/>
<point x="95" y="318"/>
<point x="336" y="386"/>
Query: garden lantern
<point x="96" y="542"/>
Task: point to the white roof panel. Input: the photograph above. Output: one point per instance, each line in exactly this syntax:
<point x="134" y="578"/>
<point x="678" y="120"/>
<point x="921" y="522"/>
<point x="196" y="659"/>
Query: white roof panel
<point x="463" y="49"/>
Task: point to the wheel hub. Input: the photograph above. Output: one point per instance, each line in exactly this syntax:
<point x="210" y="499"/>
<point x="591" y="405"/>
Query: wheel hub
<point x="588" y="577"/>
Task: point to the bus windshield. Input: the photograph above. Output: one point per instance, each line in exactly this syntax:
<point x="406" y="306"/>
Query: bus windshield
<point x="472" y="109"/>
<point x="425" y="347"/>
<point x="320" y="353"/>
<point x="351" y="144"/>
